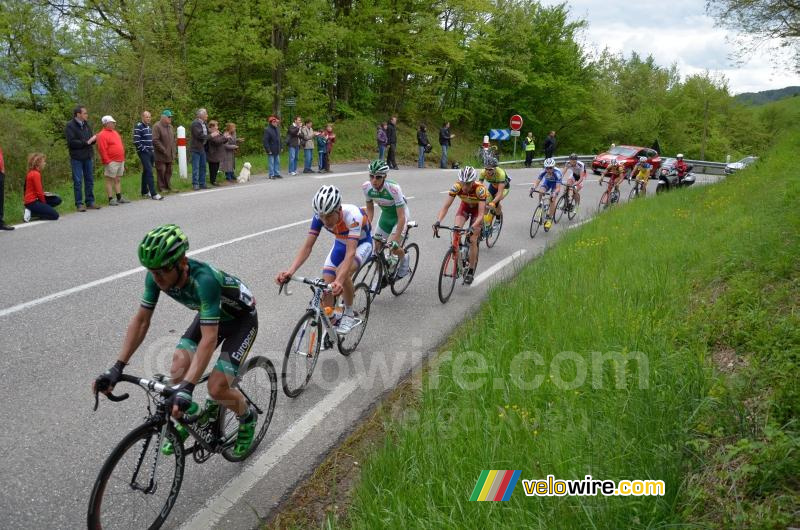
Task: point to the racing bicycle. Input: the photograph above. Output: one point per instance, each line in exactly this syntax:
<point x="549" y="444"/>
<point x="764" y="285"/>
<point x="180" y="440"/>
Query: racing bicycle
<point x="317" y="330"/>
<point x="540" y="213"/>
<point x="456" y="260"/>
<point x="566" y="204"/>
<point x="139" y="484"/>
<point x="381" y="269"/>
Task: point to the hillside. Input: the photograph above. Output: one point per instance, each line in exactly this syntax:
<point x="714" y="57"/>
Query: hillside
<point x="767" y="96"/>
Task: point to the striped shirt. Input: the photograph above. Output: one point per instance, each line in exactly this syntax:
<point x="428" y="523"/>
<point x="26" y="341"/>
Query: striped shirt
<point x="143" y="138"/>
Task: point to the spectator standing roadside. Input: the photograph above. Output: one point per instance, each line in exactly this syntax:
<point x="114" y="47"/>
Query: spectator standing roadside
<point x="143" y="141"/>
<point x="529" y="145"/>
<point x="231" y="145"/>
<point x="216" y="151"/>
<point x="112" y="154"/>
<point x="294" y="144"/>
<point x="3" y="225"/>
<point x="322" y="149"/>
<point x="422" y="144"/>
<point x="307" y="138"/>
<point x="444" y="140"/>
<point x="550" y="145"/>
<point x="80" y="142"/>
<point x="272" y="145"/>
<point x="391" y="137"/>
<point x="164" y="150"/>
<point x="382" y="140"/>
<point x="331" y="139"/>
<point x="37" y="202"/>
<point x="198" y="148"/>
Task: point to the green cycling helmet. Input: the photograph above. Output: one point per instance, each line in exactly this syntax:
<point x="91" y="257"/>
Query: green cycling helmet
<point x="378" y="167"/>
<point x="163" y="247"/>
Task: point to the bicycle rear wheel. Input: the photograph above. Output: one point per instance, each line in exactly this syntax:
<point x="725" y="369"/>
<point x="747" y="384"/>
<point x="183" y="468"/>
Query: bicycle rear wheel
<point x="634" y="194"/>
<point x="259" y="384"/>
<point x="371" y="274"/>
<point x="448" y="275"/>
<point x="572" y="208"/>
<point x="301" y="354"/>
<point x="497" y="226"/>
<point x="561" y="205"/>
<point x="536" y="220"/>
<point x="122" y="496"/>
<point x="361" y="304"/>
<point x="399" y="285"/>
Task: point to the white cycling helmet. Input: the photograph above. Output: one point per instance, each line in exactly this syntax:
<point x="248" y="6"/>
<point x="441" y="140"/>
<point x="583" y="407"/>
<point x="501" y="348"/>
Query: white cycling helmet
<point x="326" y="200"/>
<point x="642" y="159"/>
<point x="679" y="156"/>
<point x="549" y="162"/>
<point x="467" y="174"/>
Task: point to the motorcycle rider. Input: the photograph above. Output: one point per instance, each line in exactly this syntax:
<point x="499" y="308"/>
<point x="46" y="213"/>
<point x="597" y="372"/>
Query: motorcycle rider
<point x="681" y="167"/>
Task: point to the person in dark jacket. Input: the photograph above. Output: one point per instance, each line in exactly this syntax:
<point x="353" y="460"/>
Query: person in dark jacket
<point x="143" y="141"/>
<point x="550" y="145"/>
<point x="444" y="140"/>
<point x="216" y="151"/>
<point x="391" y="137"/>
<point x="422" y="144"/>
<point x="272" y="145"/>
<point x="380" y="136"/>
<point x="294" y="144"/>
<point x="198" y="149"/>
<point x="80" y="142"/>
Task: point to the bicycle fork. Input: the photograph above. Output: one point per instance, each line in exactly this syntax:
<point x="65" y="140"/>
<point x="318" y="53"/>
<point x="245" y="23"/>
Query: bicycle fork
<point x="151" y="485"/>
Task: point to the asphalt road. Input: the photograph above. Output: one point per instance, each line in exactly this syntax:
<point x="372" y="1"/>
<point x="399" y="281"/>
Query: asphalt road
<point x="70" y="287"/>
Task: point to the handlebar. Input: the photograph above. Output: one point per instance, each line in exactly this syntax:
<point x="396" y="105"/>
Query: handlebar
<point x="315" y="282"/>
<point x="451" y="228"/>
<point x="146" y="384"/>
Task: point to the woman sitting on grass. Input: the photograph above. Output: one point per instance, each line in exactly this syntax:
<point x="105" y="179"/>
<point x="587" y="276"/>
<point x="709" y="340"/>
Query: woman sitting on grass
<point x="37" y="202"/>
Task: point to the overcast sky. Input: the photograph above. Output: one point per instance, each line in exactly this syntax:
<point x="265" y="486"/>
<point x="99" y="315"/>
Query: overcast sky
<point x="684" y="35"/>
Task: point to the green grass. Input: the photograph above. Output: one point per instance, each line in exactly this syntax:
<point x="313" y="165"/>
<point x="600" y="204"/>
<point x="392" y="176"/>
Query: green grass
<point x="671" y="281"/>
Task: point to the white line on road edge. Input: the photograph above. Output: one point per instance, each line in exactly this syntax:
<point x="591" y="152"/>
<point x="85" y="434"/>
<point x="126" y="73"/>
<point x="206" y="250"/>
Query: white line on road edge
<point x="482" y="277"/>
<point x="576" y="225"/>
<point x="101" y="281"/>
<point x="332" y="175"/>
<point x="220" y="504"/>
<point x="29" y="224"/>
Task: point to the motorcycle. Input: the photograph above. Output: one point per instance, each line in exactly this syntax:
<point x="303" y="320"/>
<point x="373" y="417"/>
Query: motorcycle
<point x="668" y="179"/>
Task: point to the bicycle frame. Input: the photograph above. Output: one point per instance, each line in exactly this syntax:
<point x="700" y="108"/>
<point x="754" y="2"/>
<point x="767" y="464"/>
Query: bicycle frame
<point x="319" y="288"/>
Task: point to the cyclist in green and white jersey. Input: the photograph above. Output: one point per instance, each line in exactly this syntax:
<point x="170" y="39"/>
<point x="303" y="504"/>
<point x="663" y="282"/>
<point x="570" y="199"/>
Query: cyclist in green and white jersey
<point x="226" y="315"/>
<point x="394" y="211"/>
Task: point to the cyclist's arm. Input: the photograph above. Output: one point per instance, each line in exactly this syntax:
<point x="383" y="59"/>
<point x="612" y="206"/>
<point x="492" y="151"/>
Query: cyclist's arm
<point x="401" y="224"/>
<point x="447" y="203"/>
<point x="371" y="211"/>
<point x="499" y="195"/>
<point x="343" y="271"/>
<point x="205" y="349"/>
<point x="137" y="331"/>
<point x="303" y="253"/>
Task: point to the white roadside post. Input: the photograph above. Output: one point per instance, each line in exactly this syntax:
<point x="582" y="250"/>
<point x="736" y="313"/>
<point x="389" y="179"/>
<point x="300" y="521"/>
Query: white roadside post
<point x="182" y="152"/>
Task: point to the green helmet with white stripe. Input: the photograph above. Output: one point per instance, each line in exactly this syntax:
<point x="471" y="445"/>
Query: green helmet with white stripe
<point x="163" y="247"/>
<point x="378" y="167"/>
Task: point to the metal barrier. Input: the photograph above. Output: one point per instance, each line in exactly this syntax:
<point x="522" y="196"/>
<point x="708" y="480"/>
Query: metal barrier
<point x="715" y="167"/>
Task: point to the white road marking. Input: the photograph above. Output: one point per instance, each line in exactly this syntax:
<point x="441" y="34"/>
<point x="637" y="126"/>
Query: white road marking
<point x="482" y="277"/>
<point x="32" y="223"/>
<point x="576" y="225"/>
<point x="332" y="175"/>
<point x="221" y="503"/>
<point x="107" y="279"/>
<point x="227" y="187"/>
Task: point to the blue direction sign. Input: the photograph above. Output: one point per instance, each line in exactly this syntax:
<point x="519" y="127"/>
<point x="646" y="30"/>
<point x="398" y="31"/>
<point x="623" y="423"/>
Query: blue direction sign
<point x="499" y="134"/>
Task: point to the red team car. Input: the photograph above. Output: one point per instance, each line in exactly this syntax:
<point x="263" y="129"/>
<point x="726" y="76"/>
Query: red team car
<point x="628" y="155"/>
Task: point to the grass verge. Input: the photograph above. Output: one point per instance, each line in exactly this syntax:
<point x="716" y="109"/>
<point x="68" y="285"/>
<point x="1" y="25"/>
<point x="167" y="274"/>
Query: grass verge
<point x="660" y="341"/>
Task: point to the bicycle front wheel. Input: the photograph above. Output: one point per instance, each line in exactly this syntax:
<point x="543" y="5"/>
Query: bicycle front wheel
<point x="370" y="273"/>
<point x="301" y="354"/>
<point x="497" y="226"/>
<point x="561" y="205"/>
<point x="634" y="194"/>
<point x="259" y="384"/>
<point x="536" y="220"/>
<point x="124" y="495"/>
<point x="572" y="209"/>
<point x="603" y="201"/>
<point x="399" y="285"/>
<point x="361" y="303"/>
<point x="447" y="276"/>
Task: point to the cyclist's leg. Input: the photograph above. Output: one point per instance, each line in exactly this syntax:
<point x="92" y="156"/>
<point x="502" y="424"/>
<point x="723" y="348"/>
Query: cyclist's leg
<point x="237" y="339"/>
<point x="185" y="350"/>
<point x="363" y="252"/>
<point x="332" y="261"/>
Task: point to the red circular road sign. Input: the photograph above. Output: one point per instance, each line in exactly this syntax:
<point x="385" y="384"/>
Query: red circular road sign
<point x="516" y="122"/>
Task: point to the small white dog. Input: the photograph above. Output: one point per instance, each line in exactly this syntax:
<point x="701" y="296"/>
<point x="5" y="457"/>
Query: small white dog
<point x="244" y="174"/>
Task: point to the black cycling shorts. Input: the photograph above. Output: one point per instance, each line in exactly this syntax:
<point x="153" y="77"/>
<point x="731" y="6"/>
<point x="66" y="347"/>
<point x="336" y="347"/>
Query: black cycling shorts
<point x="236" y="336"/>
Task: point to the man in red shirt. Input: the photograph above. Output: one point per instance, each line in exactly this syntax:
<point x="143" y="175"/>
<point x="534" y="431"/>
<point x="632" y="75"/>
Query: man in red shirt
<point x="112" y="154"/>
<point x="3" y="225"/>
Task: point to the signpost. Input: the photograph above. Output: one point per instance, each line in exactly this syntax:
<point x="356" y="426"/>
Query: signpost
<point x="516" y="124"/>
<point x="499" y="134"/>
<point x="182" y="152"/>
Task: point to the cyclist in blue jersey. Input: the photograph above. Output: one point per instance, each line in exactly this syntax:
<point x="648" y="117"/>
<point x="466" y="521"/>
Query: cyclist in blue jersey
<point x="549" y="181"/>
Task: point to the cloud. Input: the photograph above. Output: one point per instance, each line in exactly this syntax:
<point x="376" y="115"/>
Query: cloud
<point x="680" y="33"/>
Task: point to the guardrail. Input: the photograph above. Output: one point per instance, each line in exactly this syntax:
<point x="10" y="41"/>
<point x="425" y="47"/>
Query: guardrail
<point x="705" y="164"/>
